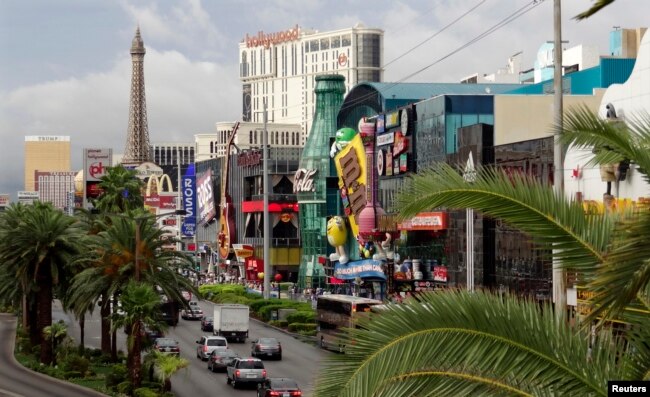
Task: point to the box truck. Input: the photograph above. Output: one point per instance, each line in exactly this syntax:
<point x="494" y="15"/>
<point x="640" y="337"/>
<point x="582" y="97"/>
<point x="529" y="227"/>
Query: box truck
<point x="231" y="322"/>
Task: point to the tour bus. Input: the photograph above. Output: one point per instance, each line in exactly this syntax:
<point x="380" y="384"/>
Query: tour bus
<point x="335" y="312"/>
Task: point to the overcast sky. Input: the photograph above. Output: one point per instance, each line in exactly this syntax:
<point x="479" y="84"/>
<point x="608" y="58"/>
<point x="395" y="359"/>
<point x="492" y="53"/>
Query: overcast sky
<point x="65" y="65"/>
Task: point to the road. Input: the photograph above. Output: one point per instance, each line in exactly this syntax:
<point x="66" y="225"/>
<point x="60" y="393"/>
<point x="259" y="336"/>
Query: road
<point x="300" y="361"/>
<point x="17" y="381"/>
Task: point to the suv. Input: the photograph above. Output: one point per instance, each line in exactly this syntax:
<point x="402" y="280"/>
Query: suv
<point x="245" y="370"/>
<point x="207" y="344"/>
<point x="191" y="314"/>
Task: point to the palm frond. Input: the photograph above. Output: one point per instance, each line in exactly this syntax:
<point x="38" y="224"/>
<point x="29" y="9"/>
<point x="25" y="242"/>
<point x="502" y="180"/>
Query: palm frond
<point x="460" y="343"/>
<point x="599" y="5"/>
<point x="525" y="203"/>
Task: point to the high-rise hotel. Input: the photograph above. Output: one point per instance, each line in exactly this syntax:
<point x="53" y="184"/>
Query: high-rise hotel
<point x="45" y="153"/>
<point x="280" y="68"/>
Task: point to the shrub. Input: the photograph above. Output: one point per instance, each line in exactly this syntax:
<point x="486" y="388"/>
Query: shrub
<point x="231" y="298"/>
<point x="125" y="388"/>
<point x="116" y="375"/>
<point x="216" y="289"/>
<point x="145" y="392"/>
<point x="302" y="317"/>
<point x="279" y="323"/>
<point x="307" y="333"/>
<point x="298" y="327"/>
<point x="72" y="374"/>
<point x="265" y="312"/>
<point x="285" y="286"/>
<point x="258" y="304"/>
<point x="76" y="363"/>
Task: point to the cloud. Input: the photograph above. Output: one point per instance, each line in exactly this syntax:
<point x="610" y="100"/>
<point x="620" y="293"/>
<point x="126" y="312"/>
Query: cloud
<point x="184" y="97"/>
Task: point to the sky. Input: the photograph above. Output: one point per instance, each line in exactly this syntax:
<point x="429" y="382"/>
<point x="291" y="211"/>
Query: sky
<point x="65" y="65"/>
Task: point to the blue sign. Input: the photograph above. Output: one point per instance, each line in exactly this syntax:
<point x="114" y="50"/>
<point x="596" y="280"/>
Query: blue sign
<point x="367" y="268"/>
<point x="188" y="186"/>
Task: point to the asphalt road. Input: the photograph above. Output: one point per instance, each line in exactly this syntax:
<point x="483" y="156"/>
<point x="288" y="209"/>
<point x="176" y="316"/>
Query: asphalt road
<point x="300" y="361"/>
<point x="17" y="381"/>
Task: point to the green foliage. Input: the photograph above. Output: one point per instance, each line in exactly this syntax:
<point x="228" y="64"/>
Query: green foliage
<point x="279" y="323"/>
<point x="72" y="374"/>
<point x="297" y="327"/>
<point x="116" y="375"/>
<point x="75" y="363"/>
<point x="257" y="305"/>
<point x="230" y="298"/>
<point x="285" y="286"/>
<point x="222" y="289"/>
<point x="302" y="317"/>
<point x="145" y="392"/>
<point x="125" y="387"/>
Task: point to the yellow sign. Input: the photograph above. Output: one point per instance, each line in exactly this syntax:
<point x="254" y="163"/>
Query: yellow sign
<point x="243" y="251"/>
<point x="351" y="168"/>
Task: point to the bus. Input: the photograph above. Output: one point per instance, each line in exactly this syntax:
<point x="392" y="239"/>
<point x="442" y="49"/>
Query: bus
<point x="335" y="312"/>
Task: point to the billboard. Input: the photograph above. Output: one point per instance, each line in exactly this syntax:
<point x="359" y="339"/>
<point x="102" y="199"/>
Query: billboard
<point x="27" y="197"/>
<point x="4" y="200"/>
<point x="205" y="197"/>
<point x="95" y="162"/>
<point x="188" y="186"/>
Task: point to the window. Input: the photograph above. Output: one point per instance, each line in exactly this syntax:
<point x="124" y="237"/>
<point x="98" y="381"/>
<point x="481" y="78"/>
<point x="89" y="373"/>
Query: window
<point x="313" y="45"/>
<point x="325" y="44"/>
<point x="346" y="40"/>
<point x="335" y="42"/>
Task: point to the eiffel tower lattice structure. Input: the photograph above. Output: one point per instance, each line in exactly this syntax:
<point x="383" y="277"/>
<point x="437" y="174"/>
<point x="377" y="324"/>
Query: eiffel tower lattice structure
<point x="137" y="149"/>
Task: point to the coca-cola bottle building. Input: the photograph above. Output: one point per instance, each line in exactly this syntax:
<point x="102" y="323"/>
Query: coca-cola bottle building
<point x="310" y="183"/>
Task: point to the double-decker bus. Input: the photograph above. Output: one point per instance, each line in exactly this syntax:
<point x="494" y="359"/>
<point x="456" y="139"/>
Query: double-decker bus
<point x="335" y="312"/>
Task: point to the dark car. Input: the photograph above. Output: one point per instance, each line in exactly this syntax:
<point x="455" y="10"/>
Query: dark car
<point x="167" y="345"/>
<point x="219" y="359"/>
<point x="280" y="387"/>
<point x="206" y="323"/>
<point x="266" y="347"/>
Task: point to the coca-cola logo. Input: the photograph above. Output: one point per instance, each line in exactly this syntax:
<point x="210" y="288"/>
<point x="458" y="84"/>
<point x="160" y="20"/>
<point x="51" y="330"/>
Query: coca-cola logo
<point x="304" y="180"/>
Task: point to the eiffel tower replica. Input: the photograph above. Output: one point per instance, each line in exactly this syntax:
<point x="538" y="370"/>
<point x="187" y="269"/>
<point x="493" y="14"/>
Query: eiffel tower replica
<point x="137" y="149"/>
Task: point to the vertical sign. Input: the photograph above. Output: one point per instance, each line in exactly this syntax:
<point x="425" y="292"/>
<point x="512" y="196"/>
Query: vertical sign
<point x="188" y="186"/>
<point x="96" y="161"/>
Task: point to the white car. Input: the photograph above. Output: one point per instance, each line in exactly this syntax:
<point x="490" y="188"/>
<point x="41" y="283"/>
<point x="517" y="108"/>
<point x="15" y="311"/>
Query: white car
<point x="207" y="344"/>
<point x="192" y="314"/>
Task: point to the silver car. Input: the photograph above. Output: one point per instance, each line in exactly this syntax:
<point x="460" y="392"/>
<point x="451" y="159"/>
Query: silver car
<point x="208" y="344"/>
<point x="245" y="370"/>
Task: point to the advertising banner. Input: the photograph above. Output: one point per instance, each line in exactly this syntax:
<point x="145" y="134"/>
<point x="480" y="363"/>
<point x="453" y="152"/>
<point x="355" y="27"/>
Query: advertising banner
<point x="27" y="197"/>
<point x="4" y="200"/>
<point x="440" y="273"/>
<point x="205" y="197"/>
<point x="188" y="186"/>
<point x="351" y="166"/>
<point x="367" y="268"/>
<point x="243" y="251"/>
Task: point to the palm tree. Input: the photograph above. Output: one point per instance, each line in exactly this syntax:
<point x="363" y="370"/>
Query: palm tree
<point x="166" y="365"/>
<point x="141" y="306"/>
<point x="37" y="250"/>
<point x="54" y="334"/>
<point x="459" y="343"/>
<point x="121" y="191"/>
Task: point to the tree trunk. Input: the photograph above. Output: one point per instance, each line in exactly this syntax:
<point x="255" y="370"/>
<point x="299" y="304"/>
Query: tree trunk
<point x="105" y="312"/>
<point x="136" y="364"/>
<point x="114" y="346"/>
<point x="82" y="336"/>
<point x="44" y="311"/>
<point x="167" y="385"/>
<point x="32" y="322"/>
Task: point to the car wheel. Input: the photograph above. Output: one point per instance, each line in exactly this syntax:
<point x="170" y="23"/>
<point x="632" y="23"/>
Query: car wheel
<point x="234" y="384"/>
<point x="280" y="357"/>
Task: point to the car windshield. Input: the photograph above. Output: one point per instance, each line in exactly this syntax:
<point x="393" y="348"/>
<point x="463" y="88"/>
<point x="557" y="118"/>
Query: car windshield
<point x="166" y="342"/>
<point x="267" y="341"/>
<point x="251" y="364"/>
<point x="216" y="342"/>
<point x="283" y="384"/>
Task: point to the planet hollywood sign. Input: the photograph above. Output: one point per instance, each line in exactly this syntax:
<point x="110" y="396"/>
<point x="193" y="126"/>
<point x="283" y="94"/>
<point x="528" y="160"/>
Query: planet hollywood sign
<point x="266" y="39"/>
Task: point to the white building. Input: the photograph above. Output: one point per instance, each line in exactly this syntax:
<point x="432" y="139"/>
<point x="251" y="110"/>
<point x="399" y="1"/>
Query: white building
<point x="169" y="153"/>
<point x="280" y="68"/>
<point x="249" y="135"/>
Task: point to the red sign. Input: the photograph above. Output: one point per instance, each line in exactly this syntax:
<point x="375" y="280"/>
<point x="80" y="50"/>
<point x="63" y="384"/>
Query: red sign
<point x="191" y="246"/>
<point x="343" y="59"/>
<point x="440" y="273"/>
<point x="258" y="206"/>
<point x="425" y="221"/>
<point x="247" y="159"/>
